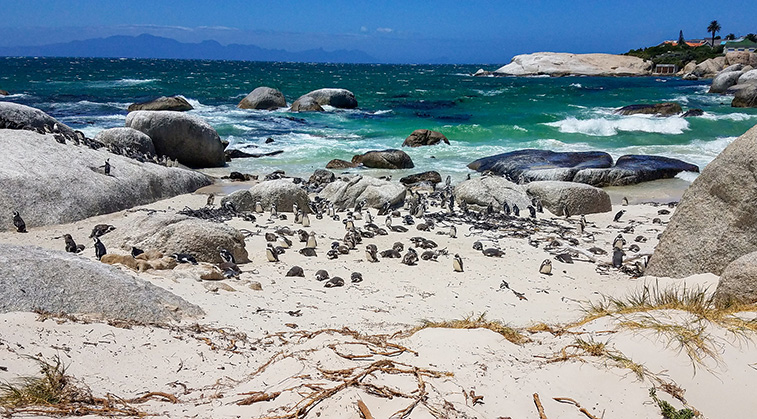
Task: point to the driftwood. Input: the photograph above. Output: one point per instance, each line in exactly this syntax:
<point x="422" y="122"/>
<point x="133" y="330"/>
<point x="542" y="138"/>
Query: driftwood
<point x="539" y="406"/>
<point x="575" y="403"/>
<point x="364" y="410"/>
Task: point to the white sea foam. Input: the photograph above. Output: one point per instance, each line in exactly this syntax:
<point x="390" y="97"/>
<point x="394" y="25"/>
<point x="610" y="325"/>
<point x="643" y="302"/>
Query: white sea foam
<point x="728" y="117"/>
<point x="576" y="85"/>
<point x="518" y="128"/>
<point x="605" y="127"/>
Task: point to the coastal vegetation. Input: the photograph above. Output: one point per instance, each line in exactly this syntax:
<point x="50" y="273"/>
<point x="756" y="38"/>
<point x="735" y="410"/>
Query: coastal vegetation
<point x="678" y="54"/>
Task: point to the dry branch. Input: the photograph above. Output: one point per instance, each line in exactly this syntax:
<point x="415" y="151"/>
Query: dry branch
<point x="539" y="406"/>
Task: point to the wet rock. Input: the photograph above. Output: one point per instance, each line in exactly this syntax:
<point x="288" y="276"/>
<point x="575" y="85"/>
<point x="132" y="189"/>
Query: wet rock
<point x="746" y="97"/>
<point x="306" y="104"/>
<point x="340" y="164"/>
<point x="431" y="177"/>
<point x="633" y="169"/>
<point x="384" y="159"/>
<point x="531" y="162"/>
<point x="692" y="112"/>
<point x="338" y="98"/>
<point x="660" y="109"/>
<point x="265" y="98"/>
<point x="422" y="137"/>
<point x="163" y="103"/>
<point x="724" y="80"/>
<point x="376" y="192"/>
<point x="576" y="198"/>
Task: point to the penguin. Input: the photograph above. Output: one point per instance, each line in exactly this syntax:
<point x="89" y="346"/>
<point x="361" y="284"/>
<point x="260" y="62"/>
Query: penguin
<point x="226" y="255"/>
<point x="271" y="253"/>
<point x="99" y="248"/>
<point x="564" y="258"/>
<point x="303" y="235"/>
<point x="617" y="258"/>
<point x="531" y="211"/>
<point x="624" y="202"/>
<point x="452" y="232"/>
<point x="619" y="242"/>
<point x="71" y="246"/>
<point x="334" y="282"/>
<point x="100" y="230"/>
<point x="390" y="254"/>
<point x="546" y="267"/>
<point x="308" y="252"/>
<point x="356" y="277"/>
<point x="492" y="252"/>
<point x="210" y="201"/>
<point x="332" y="254"/>
<point x="349" y="223"/>
<point x="429" y="255"/>
<point x="106" y="167"/>
<point x="321" y="275"/>
<point x="618" y="215"/>
<point x="506" y="209"/>
<point x="19" y="223"/>
<point x="230" y="270"/>
<point x="259" y="207"/>
<point x="634" y="248"/>
<point x="136" y="251"/>
<point x="398" y="246"/>
<point x="478" y="246"/>
<point x="311" y="243"/>
<point x="410" y="258"/>
<point x="270" y="237"/>
<point x="295" y="210"/>
<point x="274" y="211"/>
<point x="184" y="258"/>
<point x="296" y="271"/>
<point x="285" y="242"/>
<point x="371" y="253"/>
<point x="305" y="220"/>
<point x="516" y="210"/>
<point x="457" y="263"/>
<point x="566" y="211"/>
<point x="298" y="217"/>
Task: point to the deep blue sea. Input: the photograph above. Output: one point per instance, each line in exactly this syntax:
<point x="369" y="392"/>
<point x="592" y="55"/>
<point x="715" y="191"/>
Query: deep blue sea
<point x="480" y="115"/>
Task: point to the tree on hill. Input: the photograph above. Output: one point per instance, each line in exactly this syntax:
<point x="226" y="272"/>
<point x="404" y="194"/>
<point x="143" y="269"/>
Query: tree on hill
<point x="752" y="37"/>
<point x="713" y="28"/>
<point x="730" y="37"/>
<point x="681" y="40"/>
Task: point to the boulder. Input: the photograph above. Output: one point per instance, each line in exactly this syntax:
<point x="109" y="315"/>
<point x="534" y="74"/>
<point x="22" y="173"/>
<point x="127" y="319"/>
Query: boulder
<point x="748" y="77"/>
<point x="22" y="117"/>
<point x="633" y="169"/>
<point x="265" y="98"/>
<point x="577" y="198"/>
<point x="306" y="104"/>
<point x="58" y="282"/>
<point x="738" y="281"/>
<point x="689" y="67"/>
<point x="65" y="182"/>
<point x="163" y="103"/>
<point x="482" y="73"/>
<point x="660" y="109"/>
<point x="187" y="138"/>
<point x="175" y="233"/>
<point x="338" y="98"/>
<point x="519" y="163"/>
<point x="321" y="177"/>
<point x="560" y="64"/>
<point x="385" y="159"/>
<point x="709" y="68"/>
<point x="715" y="222"/>
<point x="432" y="177"/>
<point x="126" y="138"/>
<point x="340" y="164"/>
<point x="4" y="92"/>
<point x="495" y="190"/>
<point x="692" y="112"/>
<point x="741" y="57"/>
<point x="376" y="192"/>
<point x="724" y="80"/>
<point x="241" y="200"/>
<point x="283" y="192"/>
<point x="746" y="97"/>
<point x="421" y="137"/>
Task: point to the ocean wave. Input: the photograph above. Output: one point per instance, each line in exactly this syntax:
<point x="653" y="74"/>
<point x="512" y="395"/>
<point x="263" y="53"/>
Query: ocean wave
<point x="601" y="127"/>
<point x="576" y="85"/>
<point x="738" y="116"/>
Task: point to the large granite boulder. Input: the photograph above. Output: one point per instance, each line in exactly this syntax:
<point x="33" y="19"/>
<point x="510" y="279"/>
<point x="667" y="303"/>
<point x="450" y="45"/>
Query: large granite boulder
<point x="346" y="192"/>
<point x="659" y="109"/>
<point x="746" y="97"/>
<point x="58" y="282"/>
<point x="431" y="177"/>
<point x="282" y="192"/>
<point x="126" y="138"/>
<point x="174" y="233"/>
<point x="724" y="80"/>
<point x="340" y="164"/>
<point x="163" y="103"/>
<point x="22" y="117"/>
<point x="338" y="98"/>
<point x="53" y="183"/>
<point x="748" y="77"/>
<point x="306" y="104"/>
<point x="421" y="137"/>
<point x="741" y="57"/>
<point x="715" y="222"/>
<point x="632" y="169"/>
<point x="532" y="164"/>
<point x="738" y="282"/>
<point x="265" y="98"/>
<point x="384" y="159"/>
<point x="709" y="68"/>
<point x="576" y="198"/>
<point x="495" y="190"/>
<point x="561" y="64"/>
<point x="187" y="138"/>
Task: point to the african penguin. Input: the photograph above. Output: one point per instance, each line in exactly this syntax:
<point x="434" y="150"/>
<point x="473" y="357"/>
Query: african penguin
<point x="618" y="215"/>
<point x="226" y="255"/>
<point x="18" y="222"/>
<point x="99" y="248"/>
<point x="271" y="254"/>
<point x="546" y="267"/>
<point x="457" y="263"/>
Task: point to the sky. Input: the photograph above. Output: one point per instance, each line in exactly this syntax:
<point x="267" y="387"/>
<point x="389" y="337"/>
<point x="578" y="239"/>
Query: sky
<point x="399" y="31"/>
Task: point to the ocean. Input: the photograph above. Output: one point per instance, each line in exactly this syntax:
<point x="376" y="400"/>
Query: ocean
<point x="481" y="116"/>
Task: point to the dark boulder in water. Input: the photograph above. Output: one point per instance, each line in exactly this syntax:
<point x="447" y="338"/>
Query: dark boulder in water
<point x="527" y="164"/>
<point x="692" y="112"/>
<point x="306" y="104"/>
<point x="385" y="159"/>
<point x="633" y="169"/>
<point x="421" y="137"/>
<point x="338" y="98"/>
<point x="431" y="177"/>
<point x="660" y="109"/>
<point x="265" y="98"/>
<point x="163" y="103"/>
<point x="340" y="164"/>
<point x="4" y="92"/>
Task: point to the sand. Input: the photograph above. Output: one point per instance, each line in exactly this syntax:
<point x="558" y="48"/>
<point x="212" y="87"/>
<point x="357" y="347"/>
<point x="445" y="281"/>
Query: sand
<point x="278" y="340"/>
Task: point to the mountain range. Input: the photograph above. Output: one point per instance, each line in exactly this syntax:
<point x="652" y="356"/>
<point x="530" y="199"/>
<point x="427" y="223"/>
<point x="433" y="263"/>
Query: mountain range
<point x="150" y="46"/>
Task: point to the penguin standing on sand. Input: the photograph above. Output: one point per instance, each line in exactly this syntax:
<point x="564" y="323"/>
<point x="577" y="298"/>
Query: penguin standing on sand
<point x="311" y="243"/>
<point x="546" y="267"/>
<point x="106" y="167"/>
<point x="99" y="248"/>
<point x="226" y="255"/>
<point x="305" y="220"/>
<point x="371" y="253"/>
<point x="271" y="254"/>
<point x="452" y="231"/>
<point x="71" y="246"/>
<point x="457" y="263"/>
<point x="516" y="210"/>
<point x="617" y="257"/>
<point x="619" y="242"/>
<point x="618" y="215"/>
<point x="18" y="222"/>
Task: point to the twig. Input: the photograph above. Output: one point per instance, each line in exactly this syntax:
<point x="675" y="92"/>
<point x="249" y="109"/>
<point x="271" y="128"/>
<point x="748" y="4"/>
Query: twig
<point x="364" y="410"/>
<point x="539" y="406"/>
<point x="575" y="403"/>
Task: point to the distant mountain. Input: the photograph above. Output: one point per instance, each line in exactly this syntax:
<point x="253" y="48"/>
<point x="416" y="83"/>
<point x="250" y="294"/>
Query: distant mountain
<point x="149" y="46"/>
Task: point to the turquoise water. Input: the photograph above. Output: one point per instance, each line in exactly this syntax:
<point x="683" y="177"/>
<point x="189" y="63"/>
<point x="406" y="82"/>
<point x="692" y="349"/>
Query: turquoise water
<point x="480" y="116"/>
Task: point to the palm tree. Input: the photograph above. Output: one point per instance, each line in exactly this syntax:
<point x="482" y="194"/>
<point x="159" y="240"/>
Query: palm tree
<point x="714" y="27"/>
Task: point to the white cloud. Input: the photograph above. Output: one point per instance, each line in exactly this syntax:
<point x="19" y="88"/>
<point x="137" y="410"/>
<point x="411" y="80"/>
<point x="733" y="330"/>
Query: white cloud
<point x="363" y="29"/>
<point x="384" y="30"/>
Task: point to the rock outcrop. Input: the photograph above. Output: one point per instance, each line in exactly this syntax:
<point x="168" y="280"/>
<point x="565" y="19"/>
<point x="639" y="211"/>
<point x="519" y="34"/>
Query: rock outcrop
<point x="384" y="159"/>
<point x="265" y="98"/>
<point x="53" y="183"/>
<point x="338" y="98"/>
<point x="709" y="68"/>
<point x="562" y="64"/>
<point x="127" y="138"/>
<point x="58" y="282"/>
<point x="431" y="177"/>
<point x="495" y="190"/>
<point x="746" y="97"/>
<point x="175" y="233"/>
<point x="187" y="138"/>
<point x="633" y="169"/>
<point x="22" y="117"/>
<point x="282" y="192"/>
<point x="715" y="222"/>
<point x="741" y="57"/>
<point x="306" y="104"/>
<point x="163" y="103"/>
<point x="724" y="80"/>
<point x="576" y="198"/>
<point x="660" y="109"/>
<point x="738" y="282"/>
<point x="422" y="137"/>
<point x="340" y="164"/>
<point x="376" y="192"/>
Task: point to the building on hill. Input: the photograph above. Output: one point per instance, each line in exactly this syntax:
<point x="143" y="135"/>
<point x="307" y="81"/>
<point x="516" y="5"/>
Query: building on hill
<point x="740" y="45"/>
<point x="691" y="42"/>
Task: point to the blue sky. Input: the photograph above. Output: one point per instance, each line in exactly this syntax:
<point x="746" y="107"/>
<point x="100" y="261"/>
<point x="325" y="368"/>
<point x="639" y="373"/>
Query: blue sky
<point x="392" y="31"/>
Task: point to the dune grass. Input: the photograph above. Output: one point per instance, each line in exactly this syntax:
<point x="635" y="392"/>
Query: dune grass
<point x="477" y="322"/>
<point x="52" y="387"/>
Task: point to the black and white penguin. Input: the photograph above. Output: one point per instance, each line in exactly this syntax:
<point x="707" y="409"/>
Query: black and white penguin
<point x="211" y="200"/>
<point x="546" y="267"/>
<point x="452" y="231"/>
<point x="226" y="255"/>
<point x="624" y="202"/>
<point x="321" y="275"/>
<point x="308" y="252"/>
<point x="617" y="258"/>
<point x="311" y="242"/>
<point x="99" y="248"/>
<point x="506" y="209"/>
<point x="457" y="263"/>
<point x="618" y="215"/>
<point x="136" y="251"/>
<point x="274" y="211"/>
<point x="334" y="282"/>
<point x="619" y="242"/>
<point x="478" y="246"/>
<point x="296" y="271"/>
<point x="18" y="222"/>
<point x="411" y="257"/>
<point x="271" y="254"/>
<point x="106" y="167"/>
<point x="305" y="220"/>
<point x="516" y="210"/>
<point x="259" y="207"/>
<point x="100" y="230"/>
<point x="531" y="211"/>
<point x="371" y="253"/>
<point x="492" y="252"/>
<point x="184" y="258"/>
<point x="356" y="277"/>
<point x="71" y="246"/>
